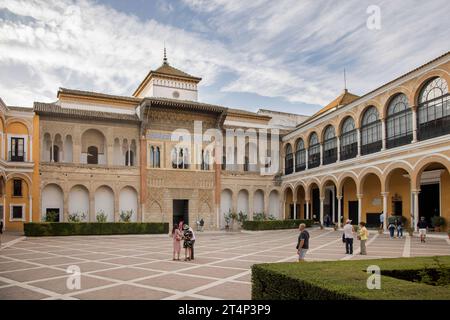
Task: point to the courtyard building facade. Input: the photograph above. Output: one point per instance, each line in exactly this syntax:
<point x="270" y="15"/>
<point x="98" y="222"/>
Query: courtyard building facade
<point x="92" y="156"/>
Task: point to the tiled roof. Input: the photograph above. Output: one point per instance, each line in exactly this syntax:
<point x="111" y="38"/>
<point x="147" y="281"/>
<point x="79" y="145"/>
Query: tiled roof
<point x="186" y="104"/>
<point x="56" y="110"/>
<point x="166" y="69"/>
<point x="343" y="99"/>
<point x="97" y="95"/>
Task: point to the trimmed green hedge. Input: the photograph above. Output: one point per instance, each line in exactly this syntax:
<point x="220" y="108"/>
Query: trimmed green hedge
<point x="347" y="280"/>
<point x="93" y="228"/>
<point x="274" y="224"/>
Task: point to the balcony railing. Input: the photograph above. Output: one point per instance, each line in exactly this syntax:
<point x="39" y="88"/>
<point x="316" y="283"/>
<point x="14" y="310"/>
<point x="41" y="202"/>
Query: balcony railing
<point x="399" y="140"/>
<point x="314" y="160"/>
<point x="300" y="167"/>
<point x="16" y="157"/>
<point x="434" y="128"/>
<point x="330" y="156"/>
<point x="371" y="147"/>
<point x="349" y="151"/>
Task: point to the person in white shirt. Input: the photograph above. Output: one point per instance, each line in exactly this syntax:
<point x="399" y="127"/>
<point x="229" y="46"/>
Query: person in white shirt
<point x="348" y="236"/>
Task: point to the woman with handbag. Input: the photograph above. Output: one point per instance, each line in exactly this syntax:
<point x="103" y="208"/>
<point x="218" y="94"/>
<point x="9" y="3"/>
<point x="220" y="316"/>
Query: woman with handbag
<point x="176" y="236"/>
<point x="363" y="235"/>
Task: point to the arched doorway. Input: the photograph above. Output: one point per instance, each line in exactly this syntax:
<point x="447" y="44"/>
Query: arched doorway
<point x="52" y="203"/>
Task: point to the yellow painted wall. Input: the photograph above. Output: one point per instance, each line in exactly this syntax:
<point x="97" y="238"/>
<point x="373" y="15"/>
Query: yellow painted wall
<point x="349" y="195"/>
<point x="36" y="195"/>
<point x="10" y="199"/>
<point x="445" y="197"/>
<point x="371" y="194"/>
<point x="400" y="185"/>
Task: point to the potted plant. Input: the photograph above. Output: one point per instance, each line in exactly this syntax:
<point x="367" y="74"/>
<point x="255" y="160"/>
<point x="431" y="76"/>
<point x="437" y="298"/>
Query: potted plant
<point x="101" y="217"/>
<point x="125" y="215"/>
<point x="227" y="217"/>
<point x="437" y="222"/>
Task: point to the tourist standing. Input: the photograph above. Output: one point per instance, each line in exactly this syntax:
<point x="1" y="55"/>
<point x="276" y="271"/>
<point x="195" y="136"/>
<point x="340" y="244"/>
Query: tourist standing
<point x="363" y="235"/>
<point x="382" y="220"/>
<point x="302" y="243"/>
<point x="176" y="236"/>
<point x="187" y="244"/>
<point x="202" y="223"/>
<point x="422" y="225"/>
<point x="391" y="228"/>
<point x="348" y="235"/>
<point x="192" y="243"/>
<point x="399" y="228"/>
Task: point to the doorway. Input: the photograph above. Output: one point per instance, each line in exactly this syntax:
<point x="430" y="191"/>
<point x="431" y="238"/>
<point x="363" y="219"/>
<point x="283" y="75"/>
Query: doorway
<point x="353" y="212"/>
<point x="181" y="211"/>
<point x="429" y="201"/>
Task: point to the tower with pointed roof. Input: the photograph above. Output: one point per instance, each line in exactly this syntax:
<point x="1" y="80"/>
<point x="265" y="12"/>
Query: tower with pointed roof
<point x="168" y="82"/>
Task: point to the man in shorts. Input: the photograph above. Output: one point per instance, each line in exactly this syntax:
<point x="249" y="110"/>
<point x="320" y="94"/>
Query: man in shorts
<point x="303" y="242"/>
<point x="422" y="225"/>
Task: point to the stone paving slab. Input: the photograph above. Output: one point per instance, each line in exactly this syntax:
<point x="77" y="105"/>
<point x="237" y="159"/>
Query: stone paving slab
<point x="141" y="267"/>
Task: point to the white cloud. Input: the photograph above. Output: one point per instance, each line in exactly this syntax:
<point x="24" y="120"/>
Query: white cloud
<point x="287" y="48"/>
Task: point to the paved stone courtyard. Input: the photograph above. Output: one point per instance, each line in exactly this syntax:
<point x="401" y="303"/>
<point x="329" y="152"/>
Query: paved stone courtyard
<point x="141" y="267"/>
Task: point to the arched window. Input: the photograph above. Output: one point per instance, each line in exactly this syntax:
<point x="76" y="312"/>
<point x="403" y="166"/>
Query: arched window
<point x="314" y="151"/>
<point x="55" y="153"/>
<point x="300" y="156"/>
<point x="92" y="155"/>
<point x="434" y="110"/>
<point x="289" y="160"/>
<point x="152" y="157"/>
<point x="129" y="158"/>
<point x="349" y="139"/>
<point x="329" y="146"/>
<point x="398" y="122"/>
<point x="371" y="132"/>
<point x="157" y="158"/>
<point x="205" y="160"/>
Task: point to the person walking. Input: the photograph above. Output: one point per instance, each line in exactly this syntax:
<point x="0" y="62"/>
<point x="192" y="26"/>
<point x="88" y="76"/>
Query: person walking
<point x="422" y="226"/>
<point x="192" y="243"/>
<point x="303" y="242"/>
<point x="187" y="244"/>
<point x="363" y="235"/>
<point x="391" y="228"/>
<point x="176" y="237"/>
<point x="382" y="220"/>
<point x="399" y="228"/>
<point x="348" y="236"/>
<point x="202" y="223"/>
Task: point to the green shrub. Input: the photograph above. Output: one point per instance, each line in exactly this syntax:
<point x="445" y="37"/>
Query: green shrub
<point x="274" y="224"/>
<point x="437" y="221"/>
<point x="93" y="228"/>
<point x="344" y="280"/>
<point x="51" y="216"/>
<point x="259" y="216"/>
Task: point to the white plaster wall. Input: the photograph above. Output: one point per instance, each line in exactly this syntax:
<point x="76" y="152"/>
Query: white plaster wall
<point x="242" y="204"/>
<point x="104" y="200"/>
<point x="52" y="197"/>
<point x="274" y="205"/>
<point x="258" y="202"/>
<point x="79" y="200"/>
<point x="225" y="205"/>
<point x="128" y="200"/>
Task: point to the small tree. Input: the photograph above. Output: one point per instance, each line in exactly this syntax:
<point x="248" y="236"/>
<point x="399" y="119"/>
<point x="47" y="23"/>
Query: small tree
<point x="101" y="217"/>
<point x="51" y="216"/>
<point x="125" y="215"/>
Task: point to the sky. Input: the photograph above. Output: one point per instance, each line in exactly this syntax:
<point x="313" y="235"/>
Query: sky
<point x="284" y="55"/>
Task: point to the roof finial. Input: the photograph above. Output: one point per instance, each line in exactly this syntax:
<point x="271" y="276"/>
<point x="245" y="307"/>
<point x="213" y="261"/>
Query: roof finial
<point x="345" y="81"/>
<point x="165" y="54"/>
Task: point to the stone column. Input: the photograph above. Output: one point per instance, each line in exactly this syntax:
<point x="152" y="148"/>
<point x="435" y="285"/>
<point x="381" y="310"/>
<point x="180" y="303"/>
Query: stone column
<point x="91" y="214"/>
<point x="383" y="134"/>
<point x="307" y="209"/>
<point x="414" y="123"/>
<point x="30" y="208"/>
<point x="295" y="209"/>
<point x="360" y="197"/>
<point x="266" y="203"/>
<point x="322" y="199"/>
<point x="385" y="196"/>
<point x="339" y="199"/>
<point x="52" y="151"/>
<point x="66" y="206"/>
<point x="116" y="205"/>
<point x="307" y="158"/>
<point x="416" y="208"/>
<point x="250" y="205"/>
